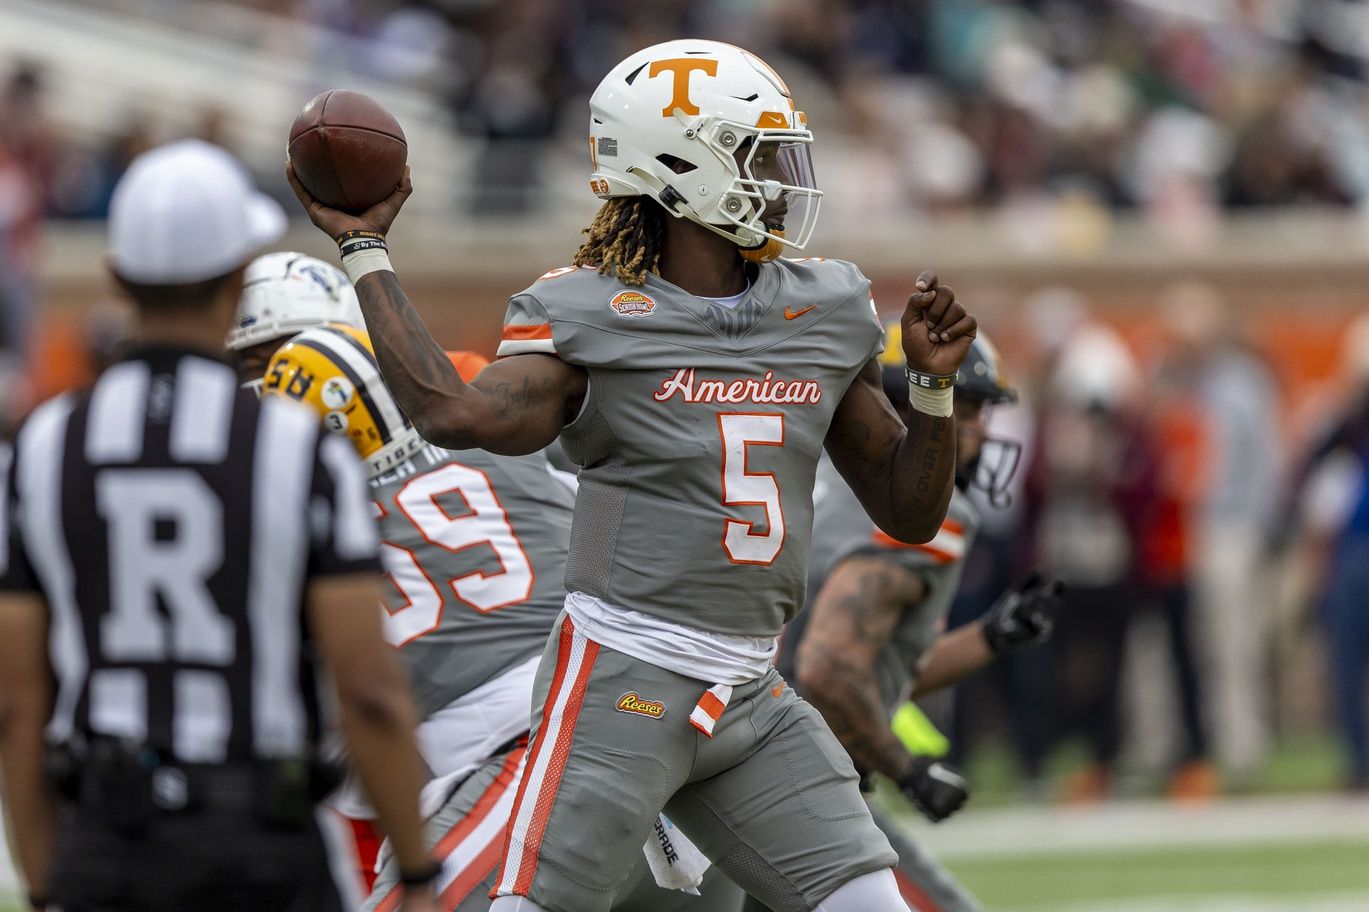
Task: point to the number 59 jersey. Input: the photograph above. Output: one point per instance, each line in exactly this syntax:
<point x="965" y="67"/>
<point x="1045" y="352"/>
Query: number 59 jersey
<point x="700" y="433"/>
<point x="474" y="546"/>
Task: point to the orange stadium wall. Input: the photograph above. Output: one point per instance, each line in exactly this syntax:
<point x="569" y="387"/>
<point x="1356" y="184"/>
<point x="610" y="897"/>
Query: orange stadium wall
<point x="1296" y="317"/>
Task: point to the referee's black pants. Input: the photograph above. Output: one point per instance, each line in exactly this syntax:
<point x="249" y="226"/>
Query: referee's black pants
<point x="205" y="862"/>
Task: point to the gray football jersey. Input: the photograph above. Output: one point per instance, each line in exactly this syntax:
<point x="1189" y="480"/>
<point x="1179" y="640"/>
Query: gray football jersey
<point x="842" y="528"/>
<point x="475" y="553"/>
<point x="700" y="433"/>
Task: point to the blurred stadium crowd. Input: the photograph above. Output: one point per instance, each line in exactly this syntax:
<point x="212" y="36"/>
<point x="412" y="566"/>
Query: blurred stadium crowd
<point x="1178" y="109"/>
<point x="1157" y="480"/>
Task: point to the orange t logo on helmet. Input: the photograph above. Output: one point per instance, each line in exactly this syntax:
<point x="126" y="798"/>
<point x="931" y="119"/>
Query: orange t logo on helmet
<point x="682" y="67"/>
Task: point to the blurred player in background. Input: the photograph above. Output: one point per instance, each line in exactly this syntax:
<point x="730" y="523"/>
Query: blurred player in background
<point x="474" y="546"/>
<point x="695" y="377"/>
<point x="284" y="294"/>
<point x="874" y="631"/>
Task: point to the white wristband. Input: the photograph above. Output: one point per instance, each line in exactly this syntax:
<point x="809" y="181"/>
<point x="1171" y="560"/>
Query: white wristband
<point x="364" y="262"/>
<point x="937" y="403"/>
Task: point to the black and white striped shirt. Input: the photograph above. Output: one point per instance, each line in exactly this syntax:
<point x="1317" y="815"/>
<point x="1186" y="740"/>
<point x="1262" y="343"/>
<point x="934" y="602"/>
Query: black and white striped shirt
<point x="171" y="522"/>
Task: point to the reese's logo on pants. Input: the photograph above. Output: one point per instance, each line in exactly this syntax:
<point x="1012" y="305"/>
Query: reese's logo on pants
<point x="630" y="702"/>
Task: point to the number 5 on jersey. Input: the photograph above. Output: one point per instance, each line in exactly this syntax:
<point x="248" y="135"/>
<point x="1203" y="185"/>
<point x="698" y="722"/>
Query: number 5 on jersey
<point x="485" y="524"/>
<point x="741" y="541"/>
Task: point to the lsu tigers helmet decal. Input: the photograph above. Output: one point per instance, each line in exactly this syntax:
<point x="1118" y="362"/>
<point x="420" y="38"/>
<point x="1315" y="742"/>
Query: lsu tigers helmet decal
<point x="711" y="132"/>
<point x="333" y="370"/>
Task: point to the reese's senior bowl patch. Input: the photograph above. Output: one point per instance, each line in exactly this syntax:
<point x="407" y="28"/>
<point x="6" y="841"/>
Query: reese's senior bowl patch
<point x="630" y="702"/>
<point x="632" y="304"/>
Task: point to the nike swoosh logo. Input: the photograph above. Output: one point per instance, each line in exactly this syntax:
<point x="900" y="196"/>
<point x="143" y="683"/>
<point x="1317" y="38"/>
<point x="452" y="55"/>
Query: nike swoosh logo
<point x="791" y="314"/>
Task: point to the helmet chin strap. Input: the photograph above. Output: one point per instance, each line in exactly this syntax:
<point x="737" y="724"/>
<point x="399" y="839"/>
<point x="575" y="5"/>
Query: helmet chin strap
<point x="671" y="200"/>
<point x="770" y="250"/>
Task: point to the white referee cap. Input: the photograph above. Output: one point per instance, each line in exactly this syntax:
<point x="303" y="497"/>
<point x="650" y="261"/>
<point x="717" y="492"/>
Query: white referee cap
<point x="185" y="212"/>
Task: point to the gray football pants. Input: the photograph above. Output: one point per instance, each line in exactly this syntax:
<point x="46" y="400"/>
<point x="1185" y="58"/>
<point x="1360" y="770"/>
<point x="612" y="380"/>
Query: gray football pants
<point x="923" y="883"/>
<point x="468" y="834"/>
<point x="771" y="798"/>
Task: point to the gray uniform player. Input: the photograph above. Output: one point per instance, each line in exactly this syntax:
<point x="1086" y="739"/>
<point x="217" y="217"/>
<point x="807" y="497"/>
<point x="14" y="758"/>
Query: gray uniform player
<point x="697" y="379"/>
<point x="875" y="630"/>
<point x="474" y="546"/>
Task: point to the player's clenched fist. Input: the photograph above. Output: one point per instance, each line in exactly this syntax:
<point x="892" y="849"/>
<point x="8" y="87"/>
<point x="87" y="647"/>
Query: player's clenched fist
<point x="937" y="330"/>
<point x="934" y="788"/>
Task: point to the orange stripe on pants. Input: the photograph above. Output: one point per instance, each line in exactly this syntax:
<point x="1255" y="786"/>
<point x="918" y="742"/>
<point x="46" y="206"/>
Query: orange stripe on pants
<point x="546" y="764"/>
<point x="546" y="795"/>
<point x="917" y="900"/>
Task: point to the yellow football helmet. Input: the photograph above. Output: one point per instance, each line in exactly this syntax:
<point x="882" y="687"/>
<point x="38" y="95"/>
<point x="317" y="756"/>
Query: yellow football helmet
<point x="333" y="370"/>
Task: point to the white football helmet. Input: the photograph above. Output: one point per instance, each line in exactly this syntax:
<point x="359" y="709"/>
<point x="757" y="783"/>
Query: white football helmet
<point x="286" y="293"/>
<point x="697" y="103"/>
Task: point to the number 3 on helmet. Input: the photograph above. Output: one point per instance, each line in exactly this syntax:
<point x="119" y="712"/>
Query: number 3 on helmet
<point x="333" y="370"/>
<point x="711" y="132"/>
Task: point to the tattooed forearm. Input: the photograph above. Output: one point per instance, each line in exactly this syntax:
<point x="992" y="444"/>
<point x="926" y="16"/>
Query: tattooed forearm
<point x="902" y="473"/>
<point x="850" y="703"/>
<point x="924" y="467"/>
<point x="854" y="616"/>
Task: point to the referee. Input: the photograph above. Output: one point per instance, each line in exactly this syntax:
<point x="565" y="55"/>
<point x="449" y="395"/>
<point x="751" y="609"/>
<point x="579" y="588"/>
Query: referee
<point x="179" y="563"/>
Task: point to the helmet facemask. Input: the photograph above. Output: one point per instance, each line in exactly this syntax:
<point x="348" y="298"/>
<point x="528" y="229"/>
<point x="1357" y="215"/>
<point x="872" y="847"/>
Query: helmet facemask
<point x="992" y="469"/>
<point x="775" y="166"/>
<point x="995" y="467"/>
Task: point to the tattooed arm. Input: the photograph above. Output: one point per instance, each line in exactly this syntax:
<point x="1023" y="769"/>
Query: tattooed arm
<point x="517" y="404"/>
<point x="902" y="474"/>
<point x="852" y="619"/>
<point x="954" y="656"/>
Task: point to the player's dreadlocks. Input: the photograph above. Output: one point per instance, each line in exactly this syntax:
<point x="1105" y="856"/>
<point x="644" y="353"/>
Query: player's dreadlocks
<point x="625" y="238"/>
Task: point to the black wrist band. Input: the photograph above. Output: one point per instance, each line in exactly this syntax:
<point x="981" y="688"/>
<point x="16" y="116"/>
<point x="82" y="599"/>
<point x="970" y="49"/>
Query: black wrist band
<point x="931" y="381"/>
<point x="346" y="248"/>
<point x="420" y="878"/>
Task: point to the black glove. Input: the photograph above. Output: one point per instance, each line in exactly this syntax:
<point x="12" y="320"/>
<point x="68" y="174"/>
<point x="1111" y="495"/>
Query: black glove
<point x="934" y="788"/>
<point x="1024" y="615"/>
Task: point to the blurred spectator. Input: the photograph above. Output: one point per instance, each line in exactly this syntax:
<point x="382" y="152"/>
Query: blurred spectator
<point x="1085" y="496"/>
<point x="1040" y="103"/>
<point x="1181" y="444"/>
<point x="27" y="159"/>
<point x="1330" y="499"/>
<point x="1240" y="411"/>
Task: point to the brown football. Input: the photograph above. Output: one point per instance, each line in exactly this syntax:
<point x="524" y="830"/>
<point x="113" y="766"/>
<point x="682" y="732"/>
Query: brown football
<point x="348" y="151"/>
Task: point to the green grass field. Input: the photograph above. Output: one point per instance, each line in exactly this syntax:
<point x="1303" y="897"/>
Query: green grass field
<point x="1292" y="846"/>
<point x="1273" y="877"/>
<point x="1295" y="875"/>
